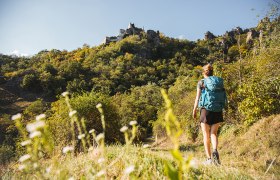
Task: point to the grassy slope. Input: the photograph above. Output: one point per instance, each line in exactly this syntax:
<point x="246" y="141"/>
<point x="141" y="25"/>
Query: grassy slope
<point x="245" y="154"/>
<point x="254" y="149"/>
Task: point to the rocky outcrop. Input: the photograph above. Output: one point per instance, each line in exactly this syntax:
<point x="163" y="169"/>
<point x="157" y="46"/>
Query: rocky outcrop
<point x="224" y="44"/>
<point x="251" y="34"/>
<point x="131" y="30"/>
<point x="238" y="30"/>
<point x="152" y="36"/>
<point x="209" y="36"/>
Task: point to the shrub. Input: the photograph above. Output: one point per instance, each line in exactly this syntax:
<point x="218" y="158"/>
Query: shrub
<point x="140" y="105"/>
<point x="260" y="98"/>
<point x="31" y="82"/>
<point x="6" y="153"/>
<point x="85" y="105"/>
<point x="77" y="85"/>
<point x="35" y="108"/>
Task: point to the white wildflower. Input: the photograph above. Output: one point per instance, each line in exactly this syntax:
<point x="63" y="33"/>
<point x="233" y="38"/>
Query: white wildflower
<point x="48" y="169"/>
<point x="65" y="94"/>
<point x="40" y="117"/>
<point x="81" y="136"/>
<point x="99" y="105"/>
<point x="27" y="142"/>
<point x="124" y="128"/>
<point x="99" y="137"/>
<point x="35" y="165"/>
<point x="15" y="117"/>
<point x="100" y="173"/>
<point x="39" y="124"/>
<point x="100" y="160"/>
<point x="31" y="127"/>
<point x="71" y="178"/>
<point x="129" y="169"/>
<point x="72" y="113"/>
<point x="194" y="163"/>
<point x="67" y="149"/>
<point x="146" y="146"/>
<point x="132" y="123"/>
<point x="96" y="153"/>
<point x="24" y="158"/>
<point x="22" y="167"/>
<point x="92" y="131"/>
<point x="35" y="134"/>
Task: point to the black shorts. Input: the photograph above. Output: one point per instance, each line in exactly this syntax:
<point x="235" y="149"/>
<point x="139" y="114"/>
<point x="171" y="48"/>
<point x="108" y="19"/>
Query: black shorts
<point x="210" y="117"/>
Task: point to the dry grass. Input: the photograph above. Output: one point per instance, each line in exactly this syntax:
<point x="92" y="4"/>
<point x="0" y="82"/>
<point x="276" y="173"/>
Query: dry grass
<point x="254" y="150"/>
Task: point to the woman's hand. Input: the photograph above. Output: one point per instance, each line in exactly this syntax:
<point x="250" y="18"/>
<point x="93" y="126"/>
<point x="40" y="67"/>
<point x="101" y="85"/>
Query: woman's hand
<point x="194" y="113"/>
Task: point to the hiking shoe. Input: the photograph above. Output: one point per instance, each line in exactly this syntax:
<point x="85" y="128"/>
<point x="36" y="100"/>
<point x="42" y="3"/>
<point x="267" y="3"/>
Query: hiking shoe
<point x="216" y="158"/>
<point x="208" y="162"/>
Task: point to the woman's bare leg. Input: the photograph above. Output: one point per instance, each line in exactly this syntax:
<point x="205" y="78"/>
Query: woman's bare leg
<point x="206" y="138"/>
<point x="214" y="138"/>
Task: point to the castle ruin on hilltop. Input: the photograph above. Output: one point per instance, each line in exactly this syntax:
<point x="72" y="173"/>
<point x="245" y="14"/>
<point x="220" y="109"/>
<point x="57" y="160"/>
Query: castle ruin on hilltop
<point x="132" y="30"/>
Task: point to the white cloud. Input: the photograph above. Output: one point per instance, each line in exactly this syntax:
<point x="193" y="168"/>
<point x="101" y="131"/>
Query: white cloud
<point x="181" y="37"/>
<point x="17" y="53"/>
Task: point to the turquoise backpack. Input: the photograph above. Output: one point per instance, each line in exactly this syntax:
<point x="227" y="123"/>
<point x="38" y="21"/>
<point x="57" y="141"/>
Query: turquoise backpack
<point x="213" y="96"/>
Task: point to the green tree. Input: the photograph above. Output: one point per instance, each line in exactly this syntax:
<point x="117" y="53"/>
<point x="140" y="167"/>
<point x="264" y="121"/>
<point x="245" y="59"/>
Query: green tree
<point x="31" y="82"/>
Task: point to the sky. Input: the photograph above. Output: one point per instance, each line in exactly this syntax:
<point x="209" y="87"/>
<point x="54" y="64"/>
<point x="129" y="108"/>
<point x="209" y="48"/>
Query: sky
<point x="29" y="26"/>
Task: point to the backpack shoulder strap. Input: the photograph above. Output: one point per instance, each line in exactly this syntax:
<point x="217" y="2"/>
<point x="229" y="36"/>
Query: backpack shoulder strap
<point x="200" y="84"/>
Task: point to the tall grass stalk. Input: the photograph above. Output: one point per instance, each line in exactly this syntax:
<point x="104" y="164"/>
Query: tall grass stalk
<point x="174" y="131"/>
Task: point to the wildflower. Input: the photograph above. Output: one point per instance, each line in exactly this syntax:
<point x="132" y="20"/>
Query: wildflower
<point x="146" y="145"/>
<point x="92" y="131"/>
<point x="22" y="167"/>
<point x="99" y="105"/>
<point x="48" y="169"/>
<point x="194" y="163"/>
<point x="35" y="134"/>
<point x="31" y="127"/>
<point x="96" y="153"/>
<point x="99" y="137"/>
<point x="100" y="173"/>
<point x="24" y="143"/>
<point x="124" y="128"/>
<point x="35" y="165"/>
<point x="67" y="149"/>
<point x="132" y="123"/>
<point x="100" y="160"/>
<point x="72" y="113"/>
<point x="40" y="117"/>
<point x="81" y="136"/>
<point x="15" y="117"/>
<point x="24" y="157"/>
<point x="71" y="178"/>
<point x="65" y="94"/>
<point x="129" y="169"/>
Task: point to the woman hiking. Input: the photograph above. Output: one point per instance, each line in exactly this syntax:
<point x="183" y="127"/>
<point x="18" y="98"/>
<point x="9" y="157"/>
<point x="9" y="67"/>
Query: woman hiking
<point x="210" y="99"/>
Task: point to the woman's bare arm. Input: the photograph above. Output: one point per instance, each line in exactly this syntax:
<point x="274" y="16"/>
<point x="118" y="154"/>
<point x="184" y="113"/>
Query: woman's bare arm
<point x="198" y="93"/>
